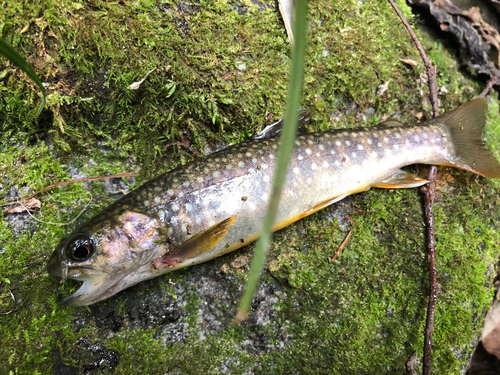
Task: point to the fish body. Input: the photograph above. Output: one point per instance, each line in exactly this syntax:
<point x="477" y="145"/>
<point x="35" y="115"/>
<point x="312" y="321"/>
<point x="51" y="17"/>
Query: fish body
<point x="217" y="204"/>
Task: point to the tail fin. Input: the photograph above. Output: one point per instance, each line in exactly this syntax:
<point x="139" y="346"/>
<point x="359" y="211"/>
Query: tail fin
<point x="465" y="125"/>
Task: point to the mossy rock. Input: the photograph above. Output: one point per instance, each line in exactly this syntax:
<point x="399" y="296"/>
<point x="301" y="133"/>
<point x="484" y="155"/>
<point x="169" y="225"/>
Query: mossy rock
<point x="220" y="73"/>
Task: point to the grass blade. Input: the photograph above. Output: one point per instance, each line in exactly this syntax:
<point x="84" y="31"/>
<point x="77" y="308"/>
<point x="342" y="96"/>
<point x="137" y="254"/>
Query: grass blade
<point x="21" y="63"/>
<point x="284" y="153"/>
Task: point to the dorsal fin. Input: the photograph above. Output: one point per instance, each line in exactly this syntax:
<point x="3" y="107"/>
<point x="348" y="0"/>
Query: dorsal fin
<point x="274" y="129"/>
<point x="390" y="124"/>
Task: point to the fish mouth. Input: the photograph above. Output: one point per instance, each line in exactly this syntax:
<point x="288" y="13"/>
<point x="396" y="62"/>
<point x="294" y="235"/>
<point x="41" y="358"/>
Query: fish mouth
<point x="95" y="286"/>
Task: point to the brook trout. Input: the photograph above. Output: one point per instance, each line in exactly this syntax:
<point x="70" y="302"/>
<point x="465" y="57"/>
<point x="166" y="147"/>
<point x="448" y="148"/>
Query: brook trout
<point x="216" y="204"/>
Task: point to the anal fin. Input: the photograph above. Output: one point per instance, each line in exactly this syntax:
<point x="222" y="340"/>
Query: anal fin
<point x="197" y="245"/>
<point x="401" y="179"/>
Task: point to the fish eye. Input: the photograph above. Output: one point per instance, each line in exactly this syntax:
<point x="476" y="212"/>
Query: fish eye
<point x="80" y="247"/>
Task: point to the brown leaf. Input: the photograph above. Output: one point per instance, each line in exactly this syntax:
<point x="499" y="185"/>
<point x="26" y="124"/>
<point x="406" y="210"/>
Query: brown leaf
<point x="412" y="63"/>
<point x="239" y="262"/>
<point x="30" y="205"/>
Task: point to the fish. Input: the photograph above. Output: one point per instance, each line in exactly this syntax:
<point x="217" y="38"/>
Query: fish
<point x="216" y="204"/>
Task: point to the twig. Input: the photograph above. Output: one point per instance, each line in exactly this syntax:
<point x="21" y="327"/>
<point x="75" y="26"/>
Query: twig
<point x="341" y="246"/>
<point x="431" y="69"/>
<point x="489" y="87"/>
<point x="428" y="202"/>
<point x="70" y="182"/>
<point x="431" y="310"/>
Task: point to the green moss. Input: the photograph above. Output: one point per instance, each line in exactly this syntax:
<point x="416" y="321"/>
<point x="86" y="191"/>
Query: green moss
<point x="219" y="75"/>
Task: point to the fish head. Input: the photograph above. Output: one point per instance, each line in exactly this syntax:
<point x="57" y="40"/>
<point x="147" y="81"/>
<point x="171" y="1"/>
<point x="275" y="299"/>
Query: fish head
<point x="108" y="254"/>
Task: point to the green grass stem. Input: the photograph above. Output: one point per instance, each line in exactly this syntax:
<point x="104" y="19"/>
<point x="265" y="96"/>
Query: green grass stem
<point x="284" y="154"/>
<point x="21" y="63"/>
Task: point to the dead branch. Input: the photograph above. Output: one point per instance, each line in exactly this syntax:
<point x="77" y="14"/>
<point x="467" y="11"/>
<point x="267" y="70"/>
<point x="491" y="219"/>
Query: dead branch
<point x="341" y="246"/>
<point x="428" y="203"/>
<point x="489" y="87"/>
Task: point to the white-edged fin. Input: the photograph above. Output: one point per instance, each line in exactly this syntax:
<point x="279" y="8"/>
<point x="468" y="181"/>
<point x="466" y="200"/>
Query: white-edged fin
<point x="465" y="125"/>
<point x="286" y="10"/>
<point x="195" y="246"/>
<point x="401" y="180"/>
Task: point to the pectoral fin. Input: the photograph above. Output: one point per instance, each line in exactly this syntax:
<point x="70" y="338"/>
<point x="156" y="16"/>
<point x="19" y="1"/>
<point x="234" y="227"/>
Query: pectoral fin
<point x="196" y="245"/>
<point x="401" y="179"/>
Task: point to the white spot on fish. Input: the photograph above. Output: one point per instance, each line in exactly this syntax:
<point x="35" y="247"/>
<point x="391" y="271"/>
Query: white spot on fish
<point x="379" y="144"/>
<point x="433" y="141"/>
<point x="240" y="156"/>
<point x="354" y="135"/>
<point x="241" y="164"/>
<point x="321" y="147"/>
<point x="388" y="152"/>
<point x="197" y="220"/>
<point x="296" y="170"/>
<point x="264" y="166"/>
<point x="337" y="143"/>
<point x="199" y="179"/>
<point x="309" y="180"/>
<point x="360" y="147"/>
<point x="373" y="154"/>
<point x="254" y="160"/>
<point x="329" y="143"/>
<point x="248" y="154"/>
<point x="325" y="164"/>
<point x="266" y="178"/>
<point x="354" y="155"/>
<point x="318" y="154"/>
<point x="297" y="143"/>
<point x="337" y="163"/>
<point x="308" y="151"/>
<point x="251" y="205"/>
<point x="369" y="141"/>
<point x="170" y="192"/>
<point x="396" y="147"/>
<point x="229" y="167"/>
<point x="174" y="207"/>
<point x="146" y="203"/>
<point x="386" y="139"/>
<point x="271" y="156"/>
<point x="216" y="174"/>
<point x="416" y="138"/>
<point x="327" y="135"/>
<point x="332" y="152"/>
<point x="300" y="157"/>
<point x="188" y="206"/>
<point x="157" y="200"/>
<point x="185" y="184"/>
<point x="309" y="141"/>
<point x="314" y="166"/>
<point x="347" y="143"/>
<point x="264" y="196"/>
<point x="397" y="135"/>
